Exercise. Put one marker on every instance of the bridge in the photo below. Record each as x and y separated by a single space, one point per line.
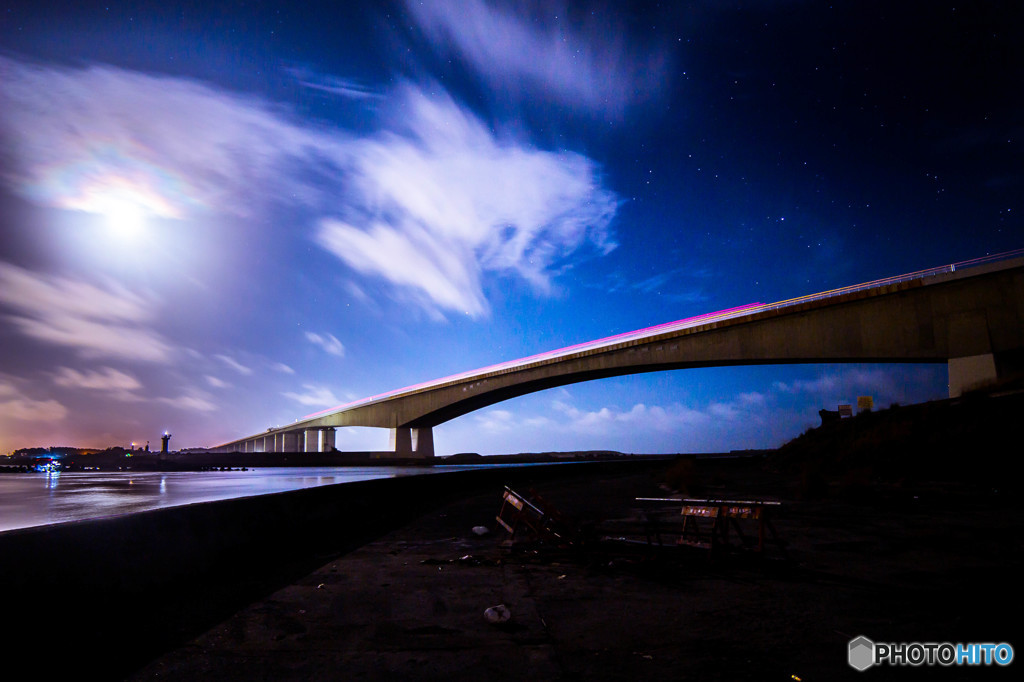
969 315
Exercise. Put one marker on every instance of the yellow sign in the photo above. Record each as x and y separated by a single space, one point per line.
865 402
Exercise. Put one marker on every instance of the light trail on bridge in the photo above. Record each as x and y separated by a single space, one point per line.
547 355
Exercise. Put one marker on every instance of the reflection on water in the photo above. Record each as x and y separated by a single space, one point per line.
52 497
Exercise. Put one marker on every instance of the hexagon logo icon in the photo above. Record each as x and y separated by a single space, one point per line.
862 653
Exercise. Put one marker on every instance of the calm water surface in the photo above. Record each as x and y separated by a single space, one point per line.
39 498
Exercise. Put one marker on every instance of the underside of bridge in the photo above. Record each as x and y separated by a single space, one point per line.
973 320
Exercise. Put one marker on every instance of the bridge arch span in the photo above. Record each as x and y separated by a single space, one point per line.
972 319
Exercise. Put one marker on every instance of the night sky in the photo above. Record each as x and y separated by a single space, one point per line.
217 220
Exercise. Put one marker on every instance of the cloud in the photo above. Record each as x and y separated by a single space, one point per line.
107 321
748 419
192 401
15 405
559 424
604 420
234 364
430 203
671 284
495 420
106 379
328 342
283 368
433 207
215 382
83 138
640 415
839 382
885 384
342 87
582 64
315 396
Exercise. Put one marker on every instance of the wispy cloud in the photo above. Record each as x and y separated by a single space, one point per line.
839 381
765 417
283 368
437 204
17 406
529 49
652 417
234 364
341 87
909 385
192 401
605 421
328 342
315 396
106 379
496 420
105 321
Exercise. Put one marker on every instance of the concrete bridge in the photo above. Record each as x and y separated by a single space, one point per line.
969 315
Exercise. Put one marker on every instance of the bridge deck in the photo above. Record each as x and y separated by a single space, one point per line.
752 312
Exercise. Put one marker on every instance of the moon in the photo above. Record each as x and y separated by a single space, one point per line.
124 218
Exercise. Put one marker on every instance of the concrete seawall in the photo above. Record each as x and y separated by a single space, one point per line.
110 594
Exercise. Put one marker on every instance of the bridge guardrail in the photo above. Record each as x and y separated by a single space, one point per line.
920 274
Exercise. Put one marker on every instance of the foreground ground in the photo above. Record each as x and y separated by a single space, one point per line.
927 562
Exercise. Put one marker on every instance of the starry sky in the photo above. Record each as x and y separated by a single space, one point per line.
221 217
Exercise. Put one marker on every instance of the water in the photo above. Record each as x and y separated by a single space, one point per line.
41 498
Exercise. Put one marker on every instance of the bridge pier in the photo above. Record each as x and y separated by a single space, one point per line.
289 441
319 439
971 372
978 371
424 442
401 441
409 442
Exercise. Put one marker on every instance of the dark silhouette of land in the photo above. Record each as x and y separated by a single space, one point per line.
900 525
121 459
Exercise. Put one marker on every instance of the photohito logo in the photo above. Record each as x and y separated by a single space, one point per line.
863 653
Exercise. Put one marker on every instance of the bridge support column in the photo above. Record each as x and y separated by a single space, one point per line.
289 441
328 440
424 442
312 440
974 371
401 441
407 442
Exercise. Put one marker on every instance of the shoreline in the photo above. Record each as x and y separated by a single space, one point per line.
174 461
890 564
172 573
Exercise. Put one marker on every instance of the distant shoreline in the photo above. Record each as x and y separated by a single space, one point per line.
206 461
